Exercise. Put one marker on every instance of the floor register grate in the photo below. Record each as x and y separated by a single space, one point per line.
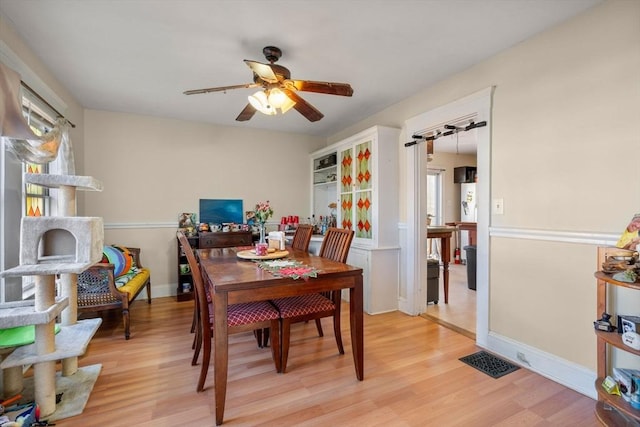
489 364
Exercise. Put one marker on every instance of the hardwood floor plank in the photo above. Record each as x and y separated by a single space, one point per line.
412 378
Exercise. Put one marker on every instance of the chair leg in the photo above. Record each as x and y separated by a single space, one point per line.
276 346
149 292
319 328
206 359
193 320
197 345
126 320
336 325
258 334
262 337
285 335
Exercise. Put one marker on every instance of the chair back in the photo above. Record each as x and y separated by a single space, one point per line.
198 284
302 237
336 244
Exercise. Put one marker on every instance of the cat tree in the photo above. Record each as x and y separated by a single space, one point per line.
37 233
51 247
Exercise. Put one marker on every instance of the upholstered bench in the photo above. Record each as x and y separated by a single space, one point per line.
114 283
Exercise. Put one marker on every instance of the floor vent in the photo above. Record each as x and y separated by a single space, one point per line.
489 364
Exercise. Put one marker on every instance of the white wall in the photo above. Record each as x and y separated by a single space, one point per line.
153 169
564 154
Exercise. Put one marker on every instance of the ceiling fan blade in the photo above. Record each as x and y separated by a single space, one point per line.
303 107
246 114
221 88
343 89
263 71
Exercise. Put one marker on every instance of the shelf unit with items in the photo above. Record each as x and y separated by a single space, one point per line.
324 179
611 409
325 169
184 292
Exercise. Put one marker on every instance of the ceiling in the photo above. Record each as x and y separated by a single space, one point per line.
138 56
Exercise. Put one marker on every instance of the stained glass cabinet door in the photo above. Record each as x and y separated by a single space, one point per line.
357 189
363 191
346 188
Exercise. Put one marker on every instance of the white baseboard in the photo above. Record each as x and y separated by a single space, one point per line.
162 290
569 374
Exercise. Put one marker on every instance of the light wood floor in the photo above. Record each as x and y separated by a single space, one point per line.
460 313
412 378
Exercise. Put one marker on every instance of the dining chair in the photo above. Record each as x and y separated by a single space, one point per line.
335 246
302 237
240 318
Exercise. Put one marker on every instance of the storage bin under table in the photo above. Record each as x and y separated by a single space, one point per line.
433 276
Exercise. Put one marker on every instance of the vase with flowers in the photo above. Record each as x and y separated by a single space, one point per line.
262 213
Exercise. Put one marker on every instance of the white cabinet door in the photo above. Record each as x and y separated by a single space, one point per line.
379 277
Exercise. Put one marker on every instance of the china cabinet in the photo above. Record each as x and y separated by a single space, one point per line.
365 191
611 410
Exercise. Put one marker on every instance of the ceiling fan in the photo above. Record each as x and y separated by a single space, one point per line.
278 90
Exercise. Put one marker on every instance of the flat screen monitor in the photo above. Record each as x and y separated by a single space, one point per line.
218 211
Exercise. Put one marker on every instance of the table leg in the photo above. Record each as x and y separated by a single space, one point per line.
357 326
220 353
446 257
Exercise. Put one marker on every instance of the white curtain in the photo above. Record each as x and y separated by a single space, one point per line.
18 136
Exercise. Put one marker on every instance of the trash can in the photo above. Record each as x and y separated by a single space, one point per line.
433 274
470 251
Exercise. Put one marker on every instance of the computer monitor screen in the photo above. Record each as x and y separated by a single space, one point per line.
218 211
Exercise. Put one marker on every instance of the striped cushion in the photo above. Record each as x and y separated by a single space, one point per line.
248 312
139 280
303 304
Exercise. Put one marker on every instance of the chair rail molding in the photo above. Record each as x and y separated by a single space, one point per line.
563 236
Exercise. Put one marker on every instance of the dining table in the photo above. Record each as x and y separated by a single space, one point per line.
233 279
443 233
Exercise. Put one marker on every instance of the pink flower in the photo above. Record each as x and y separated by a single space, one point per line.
263 211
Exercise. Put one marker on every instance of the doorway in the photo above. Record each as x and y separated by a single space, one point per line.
445 205
477 105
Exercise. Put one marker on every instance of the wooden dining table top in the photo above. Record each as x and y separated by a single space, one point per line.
229 273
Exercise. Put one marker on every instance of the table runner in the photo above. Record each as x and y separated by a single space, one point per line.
288 268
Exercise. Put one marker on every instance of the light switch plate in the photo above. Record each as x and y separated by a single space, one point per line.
498 206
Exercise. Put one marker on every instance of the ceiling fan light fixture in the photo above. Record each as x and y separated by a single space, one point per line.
260 102
277 98
287 104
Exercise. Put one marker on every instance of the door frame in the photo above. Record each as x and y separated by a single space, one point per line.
479 104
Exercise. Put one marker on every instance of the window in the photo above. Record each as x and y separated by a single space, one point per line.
434 195
35 196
